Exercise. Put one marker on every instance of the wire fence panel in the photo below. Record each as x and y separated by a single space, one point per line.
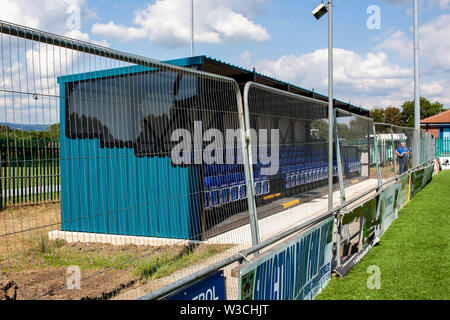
385 140
406 136
365 221
291 168
442 147
433 148
29 171
150 161
425 146
123 177
355 136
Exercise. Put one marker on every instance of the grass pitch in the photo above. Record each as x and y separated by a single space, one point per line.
413 255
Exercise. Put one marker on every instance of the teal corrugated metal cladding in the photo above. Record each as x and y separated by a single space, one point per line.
112 191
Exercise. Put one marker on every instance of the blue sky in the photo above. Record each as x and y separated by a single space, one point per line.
279 37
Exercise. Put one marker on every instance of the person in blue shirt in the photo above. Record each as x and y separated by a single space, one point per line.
403 157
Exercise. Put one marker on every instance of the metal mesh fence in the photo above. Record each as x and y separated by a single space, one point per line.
385 142
122 175
425 146
406 135
361 224
355 137
389 138
442 147
359 173
150 189
293 162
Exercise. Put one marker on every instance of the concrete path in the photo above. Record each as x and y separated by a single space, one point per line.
289 218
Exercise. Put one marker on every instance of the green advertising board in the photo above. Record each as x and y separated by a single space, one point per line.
366 211
428 175
420 178
416 181
404 192
387 208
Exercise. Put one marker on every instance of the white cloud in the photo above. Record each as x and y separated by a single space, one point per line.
118 31
167 23
432 89
400 43
350 69
246 58
363 80
48 15
443 4
78 35
434 43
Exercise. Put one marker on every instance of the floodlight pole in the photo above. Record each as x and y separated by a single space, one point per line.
330 105
416 148
192 28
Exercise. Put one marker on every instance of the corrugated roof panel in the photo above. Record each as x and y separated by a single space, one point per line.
198 60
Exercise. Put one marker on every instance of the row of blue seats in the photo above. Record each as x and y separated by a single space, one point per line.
304 161
303 176
231 179
225 169
301 154
220 176
220 196
221 169
353 165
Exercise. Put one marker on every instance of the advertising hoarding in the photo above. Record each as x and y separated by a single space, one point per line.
297 270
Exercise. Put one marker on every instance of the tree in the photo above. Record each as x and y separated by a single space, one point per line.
427 109
53 132
393 115
377 114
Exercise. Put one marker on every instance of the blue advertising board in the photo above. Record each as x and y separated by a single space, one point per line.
297 270
210 288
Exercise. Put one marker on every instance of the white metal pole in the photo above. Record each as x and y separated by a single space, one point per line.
416 154
192 28
330 105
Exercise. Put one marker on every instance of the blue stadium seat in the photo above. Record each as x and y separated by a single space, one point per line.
303 177
258 188
206 200
215 198
266 187
234 191
225 195
287 182
242 191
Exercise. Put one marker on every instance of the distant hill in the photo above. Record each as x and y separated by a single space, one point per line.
26 127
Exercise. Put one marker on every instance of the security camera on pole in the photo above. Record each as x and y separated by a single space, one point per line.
318 13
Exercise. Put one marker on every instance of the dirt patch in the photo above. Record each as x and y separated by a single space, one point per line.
51 284
33 267
106 270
